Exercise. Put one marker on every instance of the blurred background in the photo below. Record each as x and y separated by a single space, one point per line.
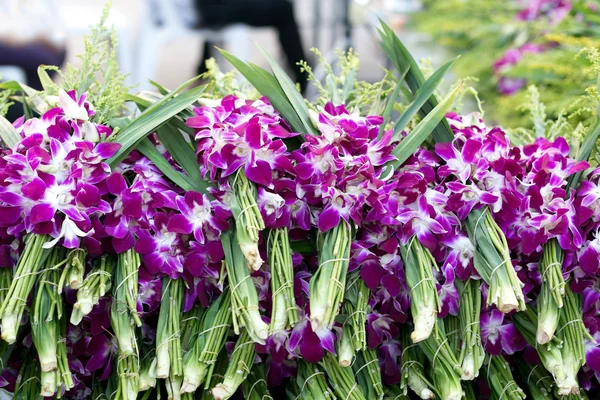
514 54
166 40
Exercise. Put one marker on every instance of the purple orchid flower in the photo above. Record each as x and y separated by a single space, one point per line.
499 335
308 344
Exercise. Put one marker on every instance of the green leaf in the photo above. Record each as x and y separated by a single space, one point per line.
151 119
293 95
588 145
45 79
389 107
161 89
417 136
151 152
348 84
183 152
267 85
402 59
8 134
421 97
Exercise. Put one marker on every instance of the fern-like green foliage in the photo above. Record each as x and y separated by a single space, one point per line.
483 30
5 102
221 84
340 85
99 75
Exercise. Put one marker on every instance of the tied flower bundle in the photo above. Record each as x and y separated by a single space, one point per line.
269 247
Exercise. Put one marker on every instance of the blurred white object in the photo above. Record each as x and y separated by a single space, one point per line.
77 20
403 6
12 73
167 20
25 21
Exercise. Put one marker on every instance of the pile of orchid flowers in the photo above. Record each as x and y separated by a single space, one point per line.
312 267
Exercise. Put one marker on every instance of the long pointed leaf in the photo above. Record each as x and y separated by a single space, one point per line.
589 143
150 151
9 135
417 136
289 88
421 97
151 119
401 58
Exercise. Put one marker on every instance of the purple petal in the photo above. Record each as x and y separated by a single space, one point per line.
41 213
329 219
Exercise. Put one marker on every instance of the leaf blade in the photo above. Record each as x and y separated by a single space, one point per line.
417 136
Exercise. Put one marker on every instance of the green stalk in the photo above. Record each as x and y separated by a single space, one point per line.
28 382
500 379
247 217
26 273
244 299
345 350
492 261
342 379
367 372
240 363
255 386
147 373
128 377
208 340
355 308
468 392
550 354
538 380
173 385
551 296
72 274
311 383
445 368
328 283
6 277
47 307
419 265
471 352
169 357
284 313
95 285
573 334
413 368
123 313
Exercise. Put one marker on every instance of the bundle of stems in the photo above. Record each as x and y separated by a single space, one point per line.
342 379
552 292
74 269
247 218
123 314
445 369
500 379
355 309
367 372
240 364
207 339
96 284
493 263
328 284
244 298
28 386
169 355
255 385
312 383
419 265
550 354
537 378
284 312
48 328
573 334
26 274
128 372
413 368
471 351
